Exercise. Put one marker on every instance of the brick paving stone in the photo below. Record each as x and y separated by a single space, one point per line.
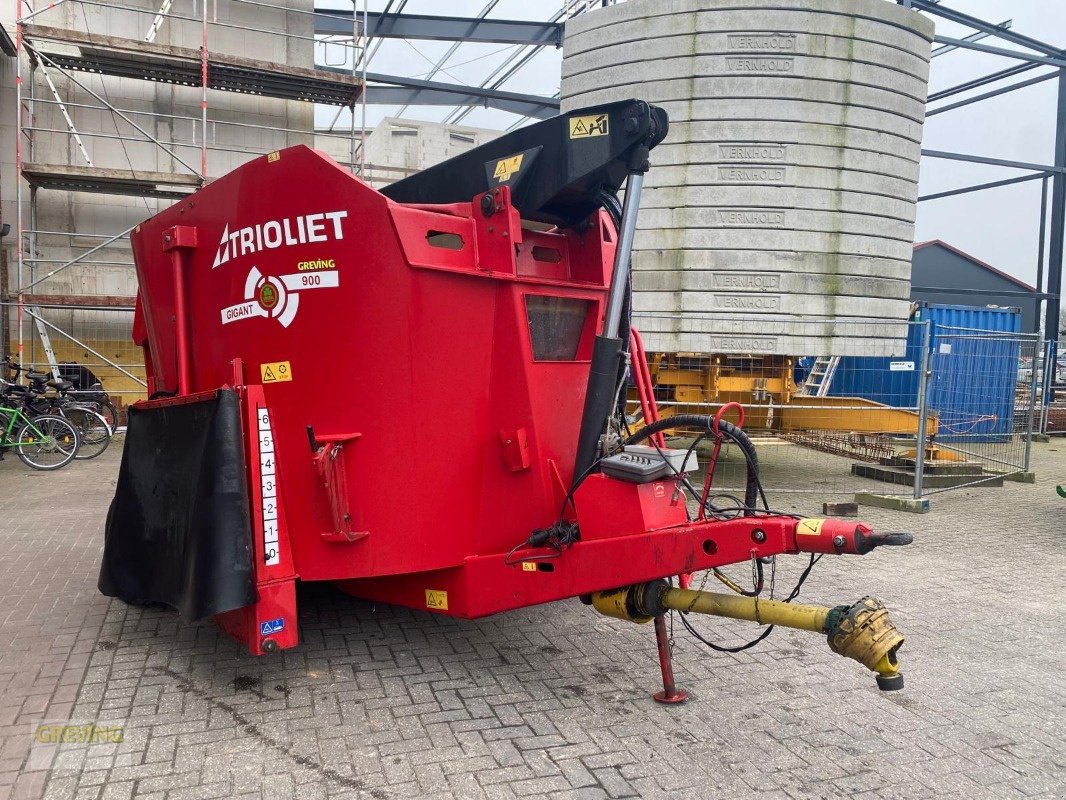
381 702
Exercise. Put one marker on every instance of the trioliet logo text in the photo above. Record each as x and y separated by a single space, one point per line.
275 233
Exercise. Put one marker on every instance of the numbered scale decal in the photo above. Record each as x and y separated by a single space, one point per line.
269 484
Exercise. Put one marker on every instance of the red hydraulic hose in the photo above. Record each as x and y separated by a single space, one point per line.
645 390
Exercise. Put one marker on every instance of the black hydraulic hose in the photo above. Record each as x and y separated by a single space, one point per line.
751 458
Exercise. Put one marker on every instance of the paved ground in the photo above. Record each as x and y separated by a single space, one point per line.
550 702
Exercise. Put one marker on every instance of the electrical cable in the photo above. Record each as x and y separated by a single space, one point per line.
753 489
769 629
748 507
558 536
726 512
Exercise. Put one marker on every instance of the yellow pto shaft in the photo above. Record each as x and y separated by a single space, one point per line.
768 612
861 631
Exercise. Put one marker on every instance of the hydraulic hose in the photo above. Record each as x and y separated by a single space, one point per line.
751 458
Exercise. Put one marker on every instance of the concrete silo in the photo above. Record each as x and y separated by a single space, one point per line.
778 217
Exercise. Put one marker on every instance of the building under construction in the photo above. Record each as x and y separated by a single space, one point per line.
124 107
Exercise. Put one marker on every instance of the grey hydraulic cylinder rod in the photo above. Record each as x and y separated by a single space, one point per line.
607 350
620 276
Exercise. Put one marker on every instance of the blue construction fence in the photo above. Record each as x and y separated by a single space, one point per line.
976 363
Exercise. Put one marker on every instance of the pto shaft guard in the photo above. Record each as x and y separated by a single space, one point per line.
861 631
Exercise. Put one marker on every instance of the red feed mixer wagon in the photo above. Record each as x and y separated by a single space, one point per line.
418 393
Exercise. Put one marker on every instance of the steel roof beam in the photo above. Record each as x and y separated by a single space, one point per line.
329 22
973 37
1055 61
984 26
525 105
995 162
438 65
418 92
976 83
982 186
994 93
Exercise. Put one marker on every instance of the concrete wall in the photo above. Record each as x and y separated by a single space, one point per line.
398 147
170 113
778 215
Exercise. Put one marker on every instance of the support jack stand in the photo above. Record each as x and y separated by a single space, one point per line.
670 695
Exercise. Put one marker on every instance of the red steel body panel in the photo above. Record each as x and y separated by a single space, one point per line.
400 335
424 351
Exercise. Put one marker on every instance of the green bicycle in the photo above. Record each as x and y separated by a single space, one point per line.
45 442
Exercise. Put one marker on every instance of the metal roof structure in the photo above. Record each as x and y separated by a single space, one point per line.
385 25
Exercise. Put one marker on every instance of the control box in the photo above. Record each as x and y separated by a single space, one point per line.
644 464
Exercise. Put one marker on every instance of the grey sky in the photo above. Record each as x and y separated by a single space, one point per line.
998 226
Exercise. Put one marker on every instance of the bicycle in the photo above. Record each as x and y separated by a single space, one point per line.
44 443
93 429
92 397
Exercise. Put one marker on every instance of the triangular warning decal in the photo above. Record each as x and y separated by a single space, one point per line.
268 375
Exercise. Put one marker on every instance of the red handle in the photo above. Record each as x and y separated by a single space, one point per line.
723 409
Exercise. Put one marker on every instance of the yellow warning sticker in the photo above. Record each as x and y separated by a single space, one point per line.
584 127
506 167
810 527
437 599
272 157
529 566
276 371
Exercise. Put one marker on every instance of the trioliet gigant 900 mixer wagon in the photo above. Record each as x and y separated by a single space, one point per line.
417 393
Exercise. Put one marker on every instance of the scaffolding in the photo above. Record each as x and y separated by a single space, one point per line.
81 85
95 130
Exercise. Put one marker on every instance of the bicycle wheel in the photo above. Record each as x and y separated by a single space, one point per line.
92 428
46 443
110 414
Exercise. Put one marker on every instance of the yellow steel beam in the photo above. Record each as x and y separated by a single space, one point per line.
711 382
849 414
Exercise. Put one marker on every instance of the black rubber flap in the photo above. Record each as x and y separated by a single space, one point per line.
179 530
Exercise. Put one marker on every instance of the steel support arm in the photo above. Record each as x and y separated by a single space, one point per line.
993 93
981 186
994 162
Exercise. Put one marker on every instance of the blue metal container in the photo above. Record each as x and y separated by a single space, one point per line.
974 361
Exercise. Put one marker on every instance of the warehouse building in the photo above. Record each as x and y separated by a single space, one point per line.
946 275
